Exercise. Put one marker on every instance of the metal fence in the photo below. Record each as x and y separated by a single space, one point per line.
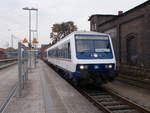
23 61
27 60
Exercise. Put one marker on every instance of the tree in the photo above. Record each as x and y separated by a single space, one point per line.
59 31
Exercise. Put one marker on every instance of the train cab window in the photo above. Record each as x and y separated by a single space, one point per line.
84 45
102 46
92 44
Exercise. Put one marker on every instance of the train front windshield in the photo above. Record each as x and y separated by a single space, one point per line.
85 45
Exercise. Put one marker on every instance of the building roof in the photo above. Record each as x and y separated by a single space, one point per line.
123 14
100 15
135 8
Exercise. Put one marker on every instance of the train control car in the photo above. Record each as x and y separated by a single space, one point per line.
86 57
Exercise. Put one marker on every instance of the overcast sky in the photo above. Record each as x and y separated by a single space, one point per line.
14 20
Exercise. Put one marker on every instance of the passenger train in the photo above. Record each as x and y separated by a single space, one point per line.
86 57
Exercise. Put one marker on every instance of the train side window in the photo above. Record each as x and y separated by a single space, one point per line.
66 50
69 52
63 50
49 53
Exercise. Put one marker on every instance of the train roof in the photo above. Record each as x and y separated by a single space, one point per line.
76 33
87 32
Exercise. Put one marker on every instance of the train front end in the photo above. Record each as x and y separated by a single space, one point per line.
95 59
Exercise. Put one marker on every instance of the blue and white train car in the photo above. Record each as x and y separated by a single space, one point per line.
87 57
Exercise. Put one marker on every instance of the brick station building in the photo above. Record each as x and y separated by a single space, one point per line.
130 32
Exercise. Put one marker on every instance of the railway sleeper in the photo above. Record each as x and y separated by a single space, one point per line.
102 96
98 94
111 103
119 107
105 100
126 111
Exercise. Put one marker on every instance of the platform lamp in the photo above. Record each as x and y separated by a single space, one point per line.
30 45
25 41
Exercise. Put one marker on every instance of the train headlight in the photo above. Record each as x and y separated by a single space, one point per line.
95 55
110 66
82 67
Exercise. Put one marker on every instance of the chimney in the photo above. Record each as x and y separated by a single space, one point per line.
120 12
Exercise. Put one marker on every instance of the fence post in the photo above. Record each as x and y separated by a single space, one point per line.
27 69
35 58
26 65
19 69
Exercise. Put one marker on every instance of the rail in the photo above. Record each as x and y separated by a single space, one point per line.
110 102
7 62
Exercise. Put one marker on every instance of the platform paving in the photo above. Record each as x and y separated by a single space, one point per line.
47 92
64 98
31 100
8 79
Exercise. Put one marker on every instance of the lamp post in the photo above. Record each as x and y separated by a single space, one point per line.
30 43
30 9
35 42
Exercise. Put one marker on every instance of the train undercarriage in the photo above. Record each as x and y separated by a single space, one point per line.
85 78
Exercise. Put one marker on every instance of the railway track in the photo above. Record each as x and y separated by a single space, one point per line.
7 62
110 102
134 82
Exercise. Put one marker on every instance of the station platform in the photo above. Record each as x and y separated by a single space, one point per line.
8 79
47 92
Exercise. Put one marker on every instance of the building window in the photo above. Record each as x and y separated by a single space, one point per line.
132 56
92 27
95 27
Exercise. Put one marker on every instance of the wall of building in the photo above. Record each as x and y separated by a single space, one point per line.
132 29
146 41
96 20
130 34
